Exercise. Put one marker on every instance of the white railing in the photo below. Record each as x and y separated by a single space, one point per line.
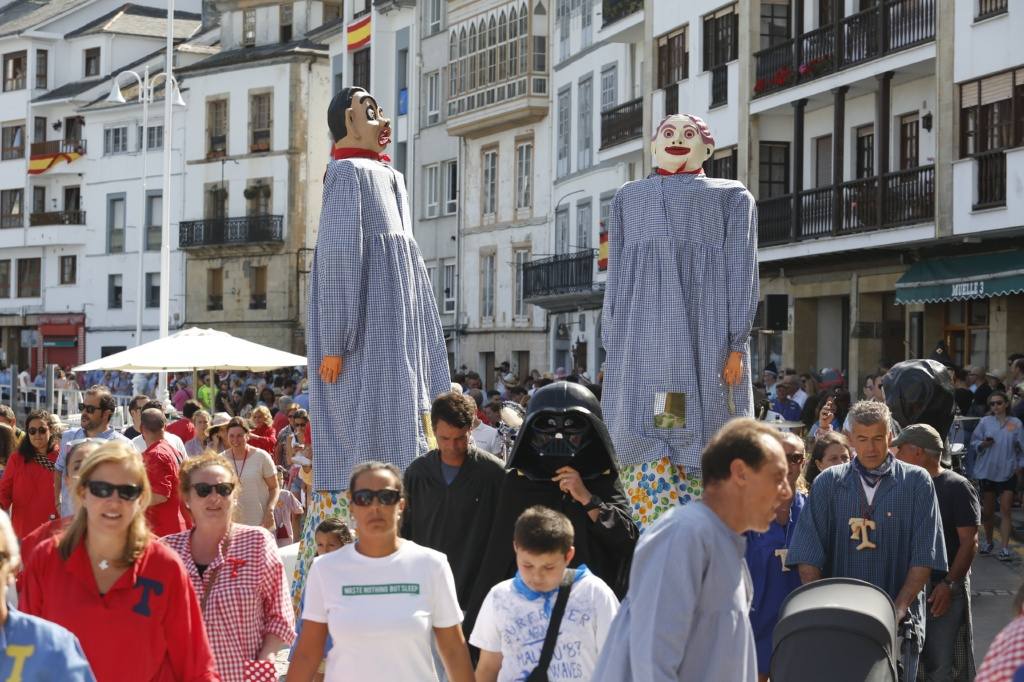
65 403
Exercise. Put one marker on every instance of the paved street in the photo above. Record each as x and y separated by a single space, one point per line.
993 584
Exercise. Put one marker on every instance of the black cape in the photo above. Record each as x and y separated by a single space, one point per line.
455 519
605 546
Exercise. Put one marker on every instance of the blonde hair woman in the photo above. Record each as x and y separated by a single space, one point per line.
236 572
107 569
263 435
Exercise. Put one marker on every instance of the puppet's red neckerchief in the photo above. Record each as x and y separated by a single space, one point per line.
338 153
660 171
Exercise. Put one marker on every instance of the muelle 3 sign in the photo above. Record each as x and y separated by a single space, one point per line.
967 289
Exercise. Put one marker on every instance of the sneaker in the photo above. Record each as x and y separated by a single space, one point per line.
986 548
1005 555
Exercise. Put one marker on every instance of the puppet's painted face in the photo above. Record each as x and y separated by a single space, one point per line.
365 125
682 142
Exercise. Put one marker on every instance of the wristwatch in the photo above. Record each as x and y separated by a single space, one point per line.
595 503
949 583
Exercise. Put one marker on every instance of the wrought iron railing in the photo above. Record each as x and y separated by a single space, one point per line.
613 10
991 179
774 68
990 8
58 147
622 123
816 212
558 275
214 231
42 218
909 196
860 205
859 33
774 220
258 302
8 220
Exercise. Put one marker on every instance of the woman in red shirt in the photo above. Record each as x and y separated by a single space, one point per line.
26 488
263 435
107 580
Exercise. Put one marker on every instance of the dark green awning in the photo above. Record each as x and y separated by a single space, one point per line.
962 277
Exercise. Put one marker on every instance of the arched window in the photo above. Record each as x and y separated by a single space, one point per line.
523 21
524 32
502 46
482 48
472 57
462 60
453 69
513 58
492 51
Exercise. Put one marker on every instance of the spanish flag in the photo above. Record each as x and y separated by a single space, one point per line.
359 33
602 250
40 163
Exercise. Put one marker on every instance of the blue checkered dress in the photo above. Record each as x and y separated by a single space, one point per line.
370 302
681 295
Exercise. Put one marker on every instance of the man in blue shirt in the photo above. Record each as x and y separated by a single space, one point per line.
784 403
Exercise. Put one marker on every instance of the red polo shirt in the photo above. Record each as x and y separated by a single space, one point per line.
183 429
147 628
161 462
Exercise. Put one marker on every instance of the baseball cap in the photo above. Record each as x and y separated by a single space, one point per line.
921 435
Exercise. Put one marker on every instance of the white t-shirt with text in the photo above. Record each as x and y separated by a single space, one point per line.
380 611
515 626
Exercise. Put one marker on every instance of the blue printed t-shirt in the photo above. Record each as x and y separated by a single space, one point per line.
35 649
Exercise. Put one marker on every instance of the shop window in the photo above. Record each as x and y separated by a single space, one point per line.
967 333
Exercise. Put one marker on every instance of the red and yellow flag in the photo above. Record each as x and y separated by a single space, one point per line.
359 33
40 163
602 250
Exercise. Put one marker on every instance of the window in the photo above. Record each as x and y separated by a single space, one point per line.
524 175
988 106
540 47
432 180
487 285
721 44
585 124
115 140
433 89
5 278
258 287
722 164
152 289
285 21
216 128
28 277
361 68
115 292
966 332
215 289
215 201
15 71
673 59
562 21
39 129
433 16
865 152
259 121
39 199
68 269
609 86
562 231
449 288
154 137
909 139
42 66
258 200
521 257
774 22
587 23
360 7
823 161
584 224
564 118
332 10
13 145
115 223
92 62
248 28
773 170
154 220
11 207
490 182
450 171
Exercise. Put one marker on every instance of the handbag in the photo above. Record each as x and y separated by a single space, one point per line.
260 671
213 576
540 673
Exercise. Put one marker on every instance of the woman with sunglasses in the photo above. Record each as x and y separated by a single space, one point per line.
109 581
382 599
26 488
257 476
999 441
235 570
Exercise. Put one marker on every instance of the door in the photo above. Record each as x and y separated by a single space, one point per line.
823 161
72 199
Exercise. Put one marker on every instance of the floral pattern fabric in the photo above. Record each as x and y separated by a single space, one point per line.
653 488
322 505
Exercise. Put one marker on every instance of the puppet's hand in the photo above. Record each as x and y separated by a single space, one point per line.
330 368
733 369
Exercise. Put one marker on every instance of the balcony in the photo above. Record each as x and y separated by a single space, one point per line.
47 218
990 8
261 229
563 283
52 147
884 29
907 197
260 141
10 220
614 10
492 108
622 123
217 146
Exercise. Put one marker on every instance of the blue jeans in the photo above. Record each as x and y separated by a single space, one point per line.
941 634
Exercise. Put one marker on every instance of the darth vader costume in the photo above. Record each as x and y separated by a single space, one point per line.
563 427
920 392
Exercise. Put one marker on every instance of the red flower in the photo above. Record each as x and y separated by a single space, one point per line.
759 85
782 76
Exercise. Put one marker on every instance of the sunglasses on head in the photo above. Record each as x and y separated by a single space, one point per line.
103 489
204 489
795 458
37 430
387 497
89 409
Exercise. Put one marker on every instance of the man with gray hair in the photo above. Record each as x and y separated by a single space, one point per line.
948 649
875 519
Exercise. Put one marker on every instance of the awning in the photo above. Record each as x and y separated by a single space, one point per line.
963 277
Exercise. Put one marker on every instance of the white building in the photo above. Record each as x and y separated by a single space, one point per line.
58 57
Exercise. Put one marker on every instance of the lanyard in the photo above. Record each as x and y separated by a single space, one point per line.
234 461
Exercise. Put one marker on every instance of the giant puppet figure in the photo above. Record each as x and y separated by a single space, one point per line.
679 303
375 346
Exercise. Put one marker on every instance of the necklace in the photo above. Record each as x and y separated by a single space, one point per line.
783 551
103 564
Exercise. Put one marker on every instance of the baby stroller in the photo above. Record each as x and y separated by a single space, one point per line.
837 629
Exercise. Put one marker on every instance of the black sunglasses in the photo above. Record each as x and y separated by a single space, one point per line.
387 497
996 402
204 489
36 430
302 424
103 489
82 407
796 457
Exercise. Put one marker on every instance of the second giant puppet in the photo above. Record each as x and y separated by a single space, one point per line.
375 346
679 303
